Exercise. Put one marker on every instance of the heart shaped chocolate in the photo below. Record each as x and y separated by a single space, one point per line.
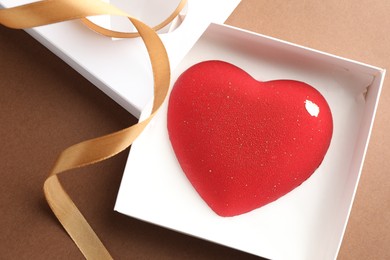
244 143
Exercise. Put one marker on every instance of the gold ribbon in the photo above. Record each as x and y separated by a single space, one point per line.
101 148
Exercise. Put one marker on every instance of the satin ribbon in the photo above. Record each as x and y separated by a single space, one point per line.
101 148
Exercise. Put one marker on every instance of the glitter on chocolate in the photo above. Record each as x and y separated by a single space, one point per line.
244 143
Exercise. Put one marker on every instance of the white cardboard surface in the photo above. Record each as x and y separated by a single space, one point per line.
307 223
121 68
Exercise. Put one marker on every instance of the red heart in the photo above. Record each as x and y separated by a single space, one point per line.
243 143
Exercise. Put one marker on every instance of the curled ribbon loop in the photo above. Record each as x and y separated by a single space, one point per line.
101 148
116 34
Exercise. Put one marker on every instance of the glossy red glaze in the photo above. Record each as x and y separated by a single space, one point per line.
243 143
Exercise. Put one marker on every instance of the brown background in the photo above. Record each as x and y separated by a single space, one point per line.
45 106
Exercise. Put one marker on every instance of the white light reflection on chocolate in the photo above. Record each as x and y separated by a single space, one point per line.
312 108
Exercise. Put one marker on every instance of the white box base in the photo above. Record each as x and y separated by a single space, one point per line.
307 223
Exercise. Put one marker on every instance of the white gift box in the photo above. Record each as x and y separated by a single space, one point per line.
121 68
307 223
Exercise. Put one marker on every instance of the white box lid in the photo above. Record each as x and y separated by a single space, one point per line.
121 68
